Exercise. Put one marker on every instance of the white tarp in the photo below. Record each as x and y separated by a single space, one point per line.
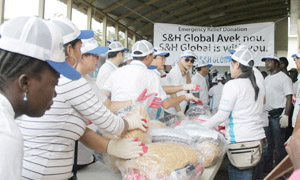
213 43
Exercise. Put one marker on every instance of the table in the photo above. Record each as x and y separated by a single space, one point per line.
100 171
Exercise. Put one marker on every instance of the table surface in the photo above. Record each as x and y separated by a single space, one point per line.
100 171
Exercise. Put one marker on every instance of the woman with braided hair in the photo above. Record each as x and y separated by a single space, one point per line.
29 72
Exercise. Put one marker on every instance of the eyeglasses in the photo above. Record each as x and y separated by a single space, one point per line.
190 60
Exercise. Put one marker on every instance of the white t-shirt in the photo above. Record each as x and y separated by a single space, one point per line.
175 78
11 141
49 140
278 86
128 82
216 93
203 90
156 113
245 122
104 72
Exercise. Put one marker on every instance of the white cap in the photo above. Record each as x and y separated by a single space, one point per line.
240 47
69 31
160 52
243 56
91 46
115 46
142 48
188 53
214 71
37 38
296 55
202 63
270 57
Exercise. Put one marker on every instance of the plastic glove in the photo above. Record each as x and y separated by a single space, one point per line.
143 97
284 121
126 148
180 114
190 87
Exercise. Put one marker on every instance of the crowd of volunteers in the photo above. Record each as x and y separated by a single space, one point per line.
51 107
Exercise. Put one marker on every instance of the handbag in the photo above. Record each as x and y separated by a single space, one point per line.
245 155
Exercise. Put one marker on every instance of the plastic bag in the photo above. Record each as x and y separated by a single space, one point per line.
164 161
170 120
170 135
197 110
209 143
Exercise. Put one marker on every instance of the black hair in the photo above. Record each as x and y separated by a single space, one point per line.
139 58
73 43
284 61
247 72
113 54
13 65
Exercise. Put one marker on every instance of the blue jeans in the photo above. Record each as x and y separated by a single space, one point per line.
276 138
237 174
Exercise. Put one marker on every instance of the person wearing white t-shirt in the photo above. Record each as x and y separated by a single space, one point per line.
179 76
28 81
128 82
116 55
49 140
296 120
215 93
158 65
278 104
202 68
240 108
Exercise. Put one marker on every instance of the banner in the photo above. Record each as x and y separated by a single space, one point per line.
213 43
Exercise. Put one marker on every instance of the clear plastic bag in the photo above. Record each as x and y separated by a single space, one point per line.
209 143
170 120
164 161
197 110
170 135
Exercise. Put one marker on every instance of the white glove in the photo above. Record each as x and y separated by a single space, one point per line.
128 148
190 87
190 97
180 114
284 121
136 121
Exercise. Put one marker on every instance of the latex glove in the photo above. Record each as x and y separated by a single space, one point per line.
143 97
136 121
190 87
180 114
190 97
284 121
128 148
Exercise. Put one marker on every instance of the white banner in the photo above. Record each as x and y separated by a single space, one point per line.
213 43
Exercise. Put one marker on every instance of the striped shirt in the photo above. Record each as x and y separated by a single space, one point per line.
49 140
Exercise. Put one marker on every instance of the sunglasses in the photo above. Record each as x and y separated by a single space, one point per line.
190 60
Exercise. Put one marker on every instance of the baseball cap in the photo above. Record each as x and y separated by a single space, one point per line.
34 37
160 52
214 71
70 31
115 46
188 53
240 47
142 48
220 77
270 57
243 56
296 55
202 63
91 46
